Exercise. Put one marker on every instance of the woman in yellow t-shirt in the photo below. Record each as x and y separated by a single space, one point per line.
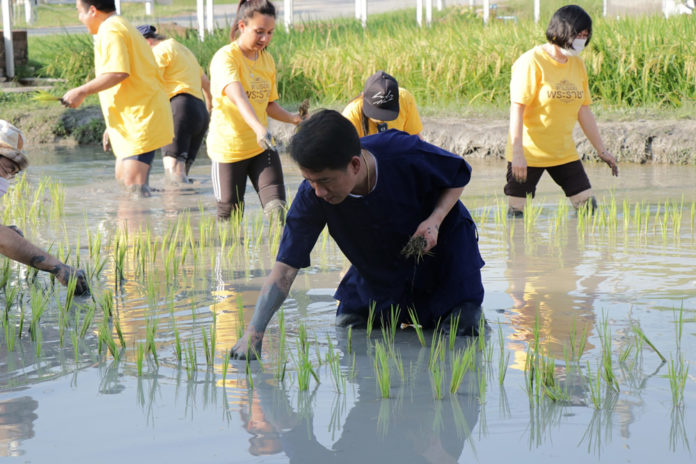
549 94
243 86
383 105
186 86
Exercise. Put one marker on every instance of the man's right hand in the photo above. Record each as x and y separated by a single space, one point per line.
519 166
73 98
249 346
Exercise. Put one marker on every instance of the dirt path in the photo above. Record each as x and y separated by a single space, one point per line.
640 141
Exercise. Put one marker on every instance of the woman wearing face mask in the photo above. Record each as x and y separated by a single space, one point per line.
549 93
243 86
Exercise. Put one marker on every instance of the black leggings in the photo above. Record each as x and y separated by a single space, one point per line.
190 123
229 181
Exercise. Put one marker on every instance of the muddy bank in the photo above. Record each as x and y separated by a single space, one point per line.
639 141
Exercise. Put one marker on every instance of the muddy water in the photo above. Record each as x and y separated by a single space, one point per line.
567 287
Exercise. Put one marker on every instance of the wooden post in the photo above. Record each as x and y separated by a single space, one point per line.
200 15
7 36
209 16
288 8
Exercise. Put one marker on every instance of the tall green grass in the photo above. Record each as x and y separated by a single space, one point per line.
641 61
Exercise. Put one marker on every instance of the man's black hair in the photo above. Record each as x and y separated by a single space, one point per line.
105 6
327 140
566 23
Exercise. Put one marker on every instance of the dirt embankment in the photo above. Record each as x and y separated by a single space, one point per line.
640 141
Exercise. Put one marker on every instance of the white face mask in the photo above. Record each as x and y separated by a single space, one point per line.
4 186
577 46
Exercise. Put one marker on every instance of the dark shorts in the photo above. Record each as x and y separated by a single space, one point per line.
230 179
190 124
571 177
146 158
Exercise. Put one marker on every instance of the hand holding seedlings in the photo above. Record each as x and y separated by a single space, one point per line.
303 109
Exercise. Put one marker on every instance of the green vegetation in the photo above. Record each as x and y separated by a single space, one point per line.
633 62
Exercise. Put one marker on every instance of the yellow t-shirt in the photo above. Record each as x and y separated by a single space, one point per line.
230 139
179 67
552 93
136 110
407 121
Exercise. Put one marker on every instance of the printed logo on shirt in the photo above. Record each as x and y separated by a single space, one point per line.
260 89
565 92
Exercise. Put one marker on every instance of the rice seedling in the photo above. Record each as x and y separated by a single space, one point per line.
39 303
645 339
462 362
190 359
304 367
370 318
436 349
399 365
177 345
416 326
503 357
225 366
382 373
151 332
75 344
577 344
415 248
139 357
104 335
454 326
594 384
333 360
249 376
10 333
677 372
437 377
606 355
87 321
679 325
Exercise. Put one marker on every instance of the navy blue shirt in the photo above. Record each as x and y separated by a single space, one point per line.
371 230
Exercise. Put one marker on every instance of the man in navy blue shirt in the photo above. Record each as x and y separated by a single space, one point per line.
374 194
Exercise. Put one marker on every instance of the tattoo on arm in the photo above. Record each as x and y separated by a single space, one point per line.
36 260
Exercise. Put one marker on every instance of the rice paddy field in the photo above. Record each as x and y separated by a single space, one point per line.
589 356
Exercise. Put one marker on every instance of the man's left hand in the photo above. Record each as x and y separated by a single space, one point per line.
428 229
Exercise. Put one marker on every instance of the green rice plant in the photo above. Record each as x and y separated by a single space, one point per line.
679 325
139 357
436 349
209 358
594 384
577 344
454 326
281 359
117 327
75 344
482 384
399 364
437 378
333 360
177 344
606 355
11 293
190 359
104 335
10 334
677 372
645 339
462 362
225 365
151 332
304 367
87 320
370 317
382 373
39 303
249 376
416 325
503 357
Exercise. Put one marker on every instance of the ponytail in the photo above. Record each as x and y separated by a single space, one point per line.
246 10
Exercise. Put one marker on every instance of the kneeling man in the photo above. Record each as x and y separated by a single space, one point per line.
374 194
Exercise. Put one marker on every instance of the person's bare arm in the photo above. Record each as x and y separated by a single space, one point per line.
235 92
279 113
430 228
205 86
17 248
74 97
519 162
274 291
589 127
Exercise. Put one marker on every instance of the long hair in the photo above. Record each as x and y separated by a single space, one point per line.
246 10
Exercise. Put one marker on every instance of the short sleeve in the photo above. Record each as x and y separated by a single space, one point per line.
412 124
303 224
586 87
112 53
225 68
524 82
353 113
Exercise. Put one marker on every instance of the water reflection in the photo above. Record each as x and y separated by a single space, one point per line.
17 418
410 426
